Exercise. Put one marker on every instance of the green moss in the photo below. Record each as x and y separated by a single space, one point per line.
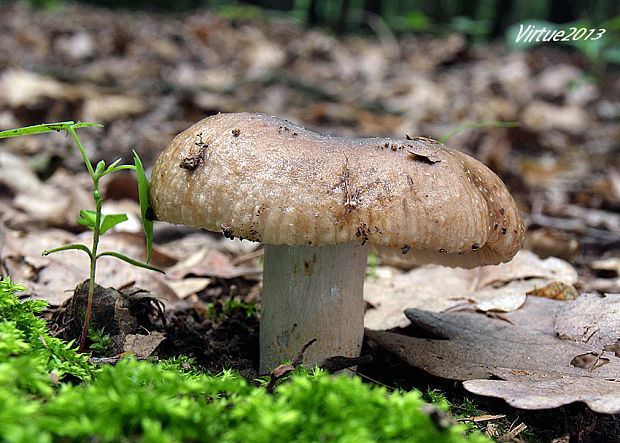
141 400
27 347
174 401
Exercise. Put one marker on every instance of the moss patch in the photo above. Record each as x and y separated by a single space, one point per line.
48 392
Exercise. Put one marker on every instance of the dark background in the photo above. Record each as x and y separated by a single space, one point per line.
486 18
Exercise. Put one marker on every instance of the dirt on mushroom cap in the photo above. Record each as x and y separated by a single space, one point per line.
268 180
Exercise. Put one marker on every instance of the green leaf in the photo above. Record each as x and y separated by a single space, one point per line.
86 125
36 129
477 125
68 247
43 128
145 206
130 261
117 168
100 167
116 162
87 218
417 21
110 220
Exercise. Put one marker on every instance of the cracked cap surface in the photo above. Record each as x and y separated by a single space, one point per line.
260 178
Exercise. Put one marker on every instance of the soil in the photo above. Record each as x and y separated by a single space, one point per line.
214 340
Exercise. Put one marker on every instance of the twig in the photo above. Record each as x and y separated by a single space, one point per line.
481 418
513 433
282 371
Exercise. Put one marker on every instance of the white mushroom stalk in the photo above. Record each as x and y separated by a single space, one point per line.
312 292
316 202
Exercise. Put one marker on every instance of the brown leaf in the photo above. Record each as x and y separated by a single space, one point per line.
615 348
536 314
143 345
600 395
500 288
105 108
556 290
589 360
210 263
591 319
188 286
51 277
541 116
526 264
476 347
547 242
280 372
19 87
53 203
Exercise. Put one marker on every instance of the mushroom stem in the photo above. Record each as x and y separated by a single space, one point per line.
312 292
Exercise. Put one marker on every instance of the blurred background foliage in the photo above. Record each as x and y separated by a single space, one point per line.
487 18
479 20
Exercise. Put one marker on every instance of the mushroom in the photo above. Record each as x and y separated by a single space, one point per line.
317 202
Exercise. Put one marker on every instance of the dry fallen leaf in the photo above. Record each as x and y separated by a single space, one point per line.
615 348
473 346
188 286
526 264
142 346
547 242
608 267
499 288
591 318
210 263
600 395
105 108
541 116
556 290
34 204
537 313
19 87
54 277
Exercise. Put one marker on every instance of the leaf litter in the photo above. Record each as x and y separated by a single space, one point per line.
562 169
532 368
499 288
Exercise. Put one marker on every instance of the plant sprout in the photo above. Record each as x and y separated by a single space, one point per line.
95 220
471 125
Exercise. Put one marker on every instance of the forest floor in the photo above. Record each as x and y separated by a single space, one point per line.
147 77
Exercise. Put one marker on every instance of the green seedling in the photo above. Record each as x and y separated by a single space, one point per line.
239 308
101 342
232 308
95 220
461 128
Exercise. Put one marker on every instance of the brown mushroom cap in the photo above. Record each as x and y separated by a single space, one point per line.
260 178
